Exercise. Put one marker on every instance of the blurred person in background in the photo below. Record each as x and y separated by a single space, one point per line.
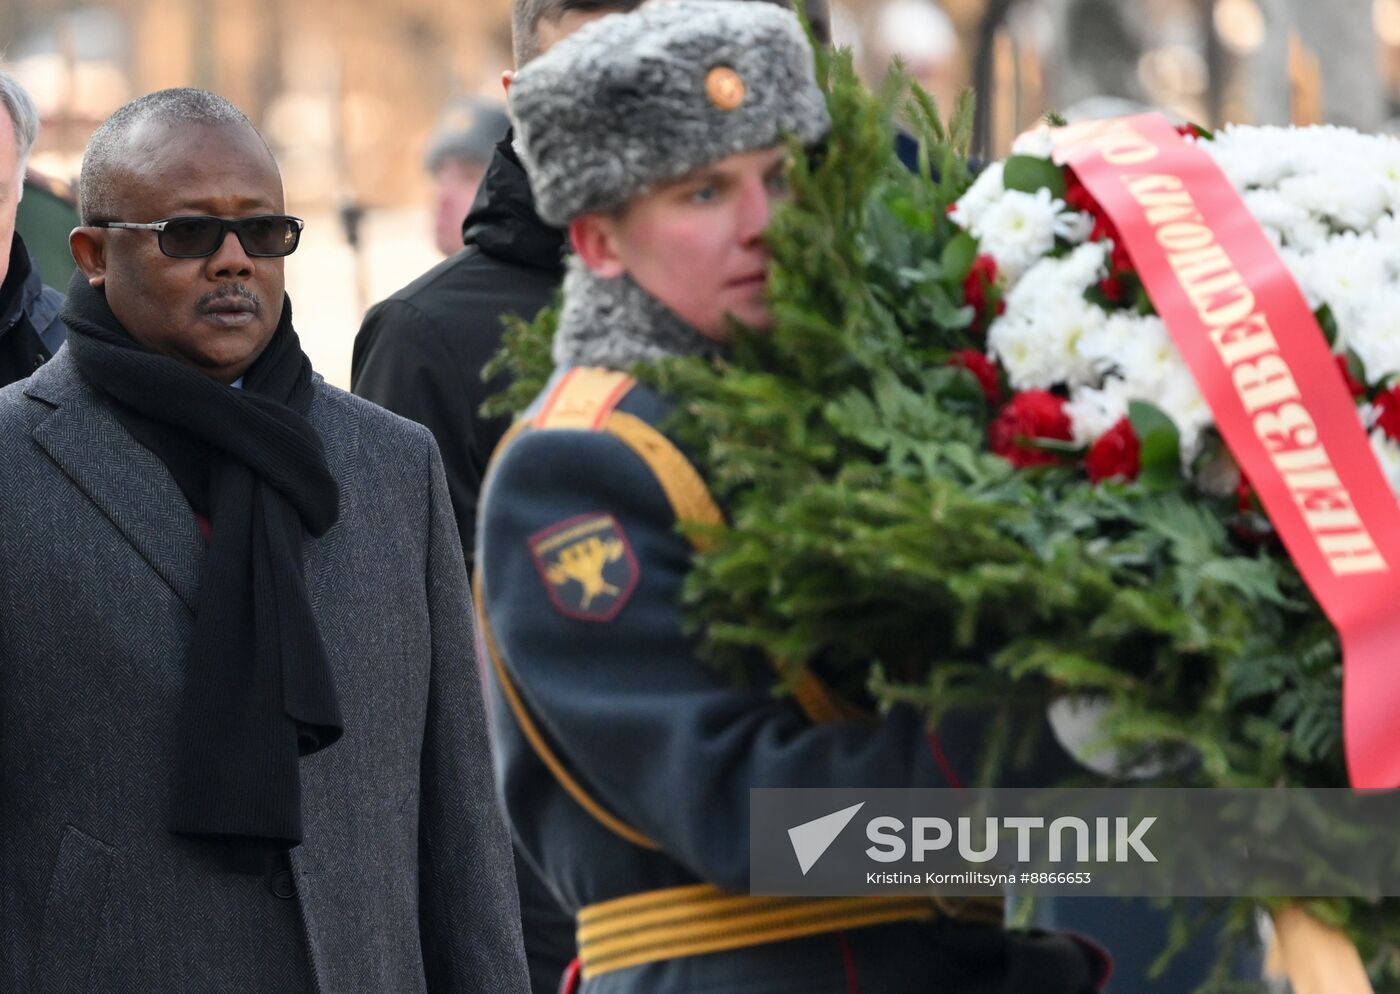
458 155
30 328
48 212
421 352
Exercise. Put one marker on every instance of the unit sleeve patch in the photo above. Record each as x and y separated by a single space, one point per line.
587 566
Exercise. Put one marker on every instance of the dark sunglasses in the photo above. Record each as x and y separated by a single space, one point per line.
195 236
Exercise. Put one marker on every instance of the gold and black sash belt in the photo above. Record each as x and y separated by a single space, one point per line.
700 918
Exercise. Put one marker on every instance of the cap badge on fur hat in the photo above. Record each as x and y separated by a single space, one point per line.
725 88
630 102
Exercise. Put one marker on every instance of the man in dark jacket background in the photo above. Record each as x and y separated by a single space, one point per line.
421 352
30 329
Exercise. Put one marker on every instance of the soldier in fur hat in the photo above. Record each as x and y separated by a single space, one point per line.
626 762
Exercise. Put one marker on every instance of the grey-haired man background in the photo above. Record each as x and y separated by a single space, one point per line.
30 328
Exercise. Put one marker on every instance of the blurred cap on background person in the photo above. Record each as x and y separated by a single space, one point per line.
457 156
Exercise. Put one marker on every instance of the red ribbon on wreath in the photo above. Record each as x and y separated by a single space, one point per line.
1263 365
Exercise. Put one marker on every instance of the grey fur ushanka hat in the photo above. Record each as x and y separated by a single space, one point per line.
631 101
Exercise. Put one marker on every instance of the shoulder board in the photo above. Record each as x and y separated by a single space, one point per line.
583 398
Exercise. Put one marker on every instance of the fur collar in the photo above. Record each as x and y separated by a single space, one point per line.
616 324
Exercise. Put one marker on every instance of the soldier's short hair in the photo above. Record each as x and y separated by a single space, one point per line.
526 16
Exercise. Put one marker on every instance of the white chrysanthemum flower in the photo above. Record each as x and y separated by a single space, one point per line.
1149 358
1084 267
1353 199
1093 411
1254 157
1388 455
1309 235
1346 274
1388 171
1375 337
1038 340
1181 400
1075 227
1040 348
1121 334
1020 228
1289 224
986 190
1146 365
1297 263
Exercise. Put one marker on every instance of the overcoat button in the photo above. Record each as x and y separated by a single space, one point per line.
283 885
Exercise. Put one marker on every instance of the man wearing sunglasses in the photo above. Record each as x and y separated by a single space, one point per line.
241 736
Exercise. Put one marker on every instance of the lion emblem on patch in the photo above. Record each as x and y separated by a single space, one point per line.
587 565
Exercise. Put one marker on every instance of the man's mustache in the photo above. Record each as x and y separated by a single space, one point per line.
237 290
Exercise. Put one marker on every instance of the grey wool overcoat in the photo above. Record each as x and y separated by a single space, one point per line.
403 882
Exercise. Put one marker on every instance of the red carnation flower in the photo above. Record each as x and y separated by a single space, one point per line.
977 286
1355 386
981 367
1029 415
1251 525
1103 228
1116 454
1078 197
1112 288
1388 404
1245 498
1119 260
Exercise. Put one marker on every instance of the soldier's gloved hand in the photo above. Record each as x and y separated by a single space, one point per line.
1077 723
1040 962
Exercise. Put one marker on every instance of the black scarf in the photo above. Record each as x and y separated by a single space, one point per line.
258 691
